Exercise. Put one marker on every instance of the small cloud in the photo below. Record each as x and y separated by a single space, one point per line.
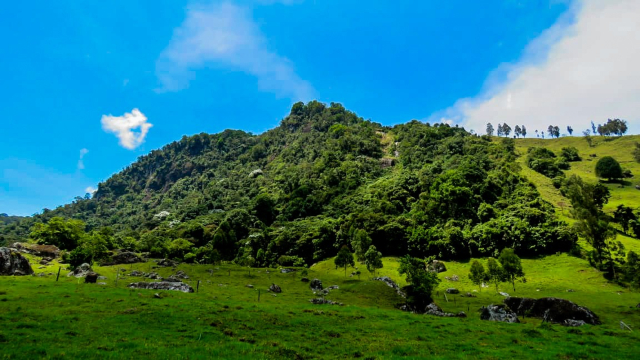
446 121
83 152
90 190
125 126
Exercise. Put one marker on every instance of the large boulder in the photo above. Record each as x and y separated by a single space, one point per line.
49 251
435 310
12 263
91 278
499 313
437 266
81 271
162 285
551 309
316 285
167 262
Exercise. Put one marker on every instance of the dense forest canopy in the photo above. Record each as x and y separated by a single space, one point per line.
322 179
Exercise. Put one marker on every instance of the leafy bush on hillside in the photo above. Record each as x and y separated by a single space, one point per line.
570 154
544 161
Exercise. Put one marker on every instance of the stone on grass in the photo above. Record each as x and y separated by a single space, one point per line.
387 280
304 279
499 313
91 278
452 291
12 263
123 257
162 285
555 310
573 323
316 284
249 286
287 271
81 271
275 288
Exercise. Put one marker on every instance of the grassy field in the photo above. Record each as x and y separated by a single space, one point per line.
42 318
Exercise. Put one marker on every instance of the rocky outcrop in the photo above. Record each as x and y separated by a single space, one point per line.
49 251
12 263
437 266
435 310
499 313
551 309
81 271
162 285
316 285
179 276
392 284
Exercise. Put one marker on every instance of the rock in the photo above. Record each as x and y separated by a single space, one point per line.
123 257
387 162
638 306
555 310
249 286
392 284
178 276
452 278
435 310
320 301
332 287
504 294
573 323
42 267
153 276
570 290
304 279
499 313
12 263
316 285
102 283
468 295
102 278
162 285
91 278
157 296
48 251
452 291
287 271
461 314
41 274
44 262
167 262
137 273
275 288
255 173
437 266
81 271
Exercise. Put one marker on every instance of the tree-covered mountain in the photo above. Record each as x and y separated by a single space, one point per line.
322 179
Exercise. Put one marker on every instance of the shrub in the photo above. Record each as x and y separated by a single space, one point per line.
79 256
544 161
557 182
626 173
609 168
570 154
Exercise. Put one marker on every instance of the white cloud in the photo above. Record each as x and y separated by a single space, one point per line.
90 190
224 35
83 152
583 68
125 126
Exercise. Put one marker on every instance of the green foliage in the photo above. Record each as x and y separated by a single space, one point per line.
613 127
570 153
624 215
421 282
373 259
607 167
477 274
495 274
544 161
79 256
65 234
360 243
511 266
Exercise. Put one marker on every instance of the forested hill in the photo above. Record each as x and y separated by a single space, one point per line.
322 179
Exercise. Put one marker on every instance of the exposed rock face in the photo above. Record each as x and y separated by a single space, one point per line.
392 284
81 271
162 285
555 310
49 251
123 257
435 310
91 278
275 288
498 313
316 285
12 263
437 266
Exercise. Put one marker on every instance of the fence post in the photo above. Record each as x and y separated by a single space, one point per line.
57 277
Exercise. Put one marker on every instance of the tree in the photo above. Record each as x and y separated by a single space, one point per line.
523 131
494 272
623 216
570 130
500 130
556 131
587 137
489 129
636 152
632 269
477 274
551 130
511 266
537 135
593 128
517 131
421 282
65 234
506 129
360 242
344 258
373 259
607 167
587 201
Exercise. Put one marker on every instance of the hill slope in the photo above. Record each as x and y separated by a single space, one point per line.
322 179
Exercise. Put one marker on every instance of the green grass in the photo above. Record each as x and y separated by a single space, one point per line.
40 318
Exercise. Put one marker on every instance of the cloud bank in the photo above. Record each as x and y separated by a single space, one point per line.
583 69
224 35
131 128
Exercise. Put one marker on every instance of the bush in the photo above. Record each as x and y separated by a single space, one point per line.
626 173
543 161
562 164
570 154
557 182
609 168
79 256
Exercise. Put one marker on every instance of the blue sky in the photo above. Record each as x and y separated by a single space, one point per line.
90 86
